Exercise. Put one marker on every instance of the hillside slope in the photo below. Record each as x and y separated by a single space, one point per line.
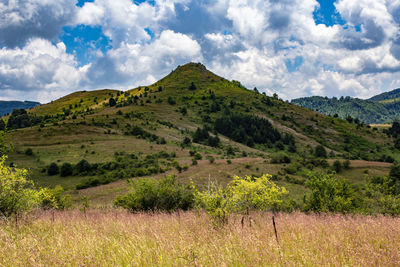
193 124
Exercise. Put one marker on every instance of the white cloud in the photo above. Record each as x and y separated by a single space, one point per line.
40 70
21 20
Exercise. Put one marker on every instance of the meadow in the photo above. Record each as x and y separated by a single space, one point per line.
115 237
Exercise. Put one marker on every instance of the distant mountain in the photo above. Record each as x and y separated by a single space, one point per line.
390 96
8 106
382 108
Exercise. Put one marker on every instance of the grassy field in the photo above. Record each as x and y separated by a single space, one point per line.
116 238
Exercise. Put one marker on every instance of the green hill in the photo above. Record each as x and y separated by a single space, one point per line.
7 107
382 108
193 124
365 110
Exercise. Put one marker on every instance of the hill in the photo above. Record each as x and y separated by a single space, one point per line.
193 124
379 109
387 96
365 110
7 107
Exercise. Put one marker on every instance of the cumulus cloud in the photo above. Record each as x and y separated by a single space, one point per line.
39 70
276 46
137 64
21 20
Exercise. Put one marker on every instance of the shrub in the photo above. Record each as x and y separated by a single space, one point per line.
241 195
17 193
329 194
66 169
83 166
320 152
29 152
54 198
198 156
53 169
337 166
149 194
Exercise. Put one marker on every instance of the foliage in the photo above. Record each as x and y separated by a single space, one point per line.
320 152
66 169
19 118
54 198
241 195
17 193
53 169
149 194
2 125
247 129
329 194
4 148
367 111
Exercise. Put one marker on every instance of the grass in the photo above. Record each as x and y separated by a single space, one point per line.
112 237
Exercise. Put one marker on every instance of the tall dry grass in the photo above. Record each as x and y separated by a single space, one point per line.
116 238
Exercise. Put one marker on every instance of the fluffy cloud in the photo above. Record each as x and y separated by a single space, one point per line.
137 64
276 46
38 71
21 20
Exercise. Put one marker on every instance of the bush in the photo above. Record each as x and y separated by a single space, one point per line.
329 194
337 166
241 195
29 152
149 194
17 193
66 169
320 152
83 167
53 169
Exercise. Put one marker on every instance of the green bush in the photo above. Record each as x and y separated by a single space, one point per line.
320 152
53 169
240 196
329 194
149 194
66 169
29 152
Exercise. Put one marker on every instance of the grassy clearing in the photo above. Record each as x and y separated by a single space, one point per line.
109 238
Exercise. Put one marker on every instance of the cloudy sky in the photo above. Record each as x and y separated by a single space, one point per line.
295 48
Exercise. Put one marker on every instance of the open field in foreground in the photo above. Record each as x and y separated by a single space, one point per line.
116 238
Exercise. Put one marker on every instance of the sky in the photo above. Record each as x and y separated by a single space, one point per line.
294 48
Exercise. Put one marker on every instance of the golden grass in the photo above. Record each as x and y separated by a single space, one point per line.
116 238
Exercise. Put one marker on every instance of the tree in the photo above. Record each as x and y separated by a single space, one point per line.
149 194
329 194
192 86
320 152
337 166
66 169
240 196
83 166
2 125
112 102
17 193
53 169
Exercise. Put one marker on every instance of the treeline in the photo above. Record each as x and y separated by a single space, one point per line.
247 129
124 166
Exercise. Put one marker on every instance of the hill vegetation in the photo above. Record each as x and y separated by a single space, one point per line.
220 160
7 107
383 108
200 127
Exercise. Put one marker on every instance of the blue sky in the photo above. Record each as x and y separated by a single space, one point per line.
291 47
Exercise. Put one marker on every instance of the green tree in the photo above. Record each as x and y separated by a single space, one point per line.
149 194
2 125
66 169
17 193
112 102
240 196
53 169
329 194
320 151
337 166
